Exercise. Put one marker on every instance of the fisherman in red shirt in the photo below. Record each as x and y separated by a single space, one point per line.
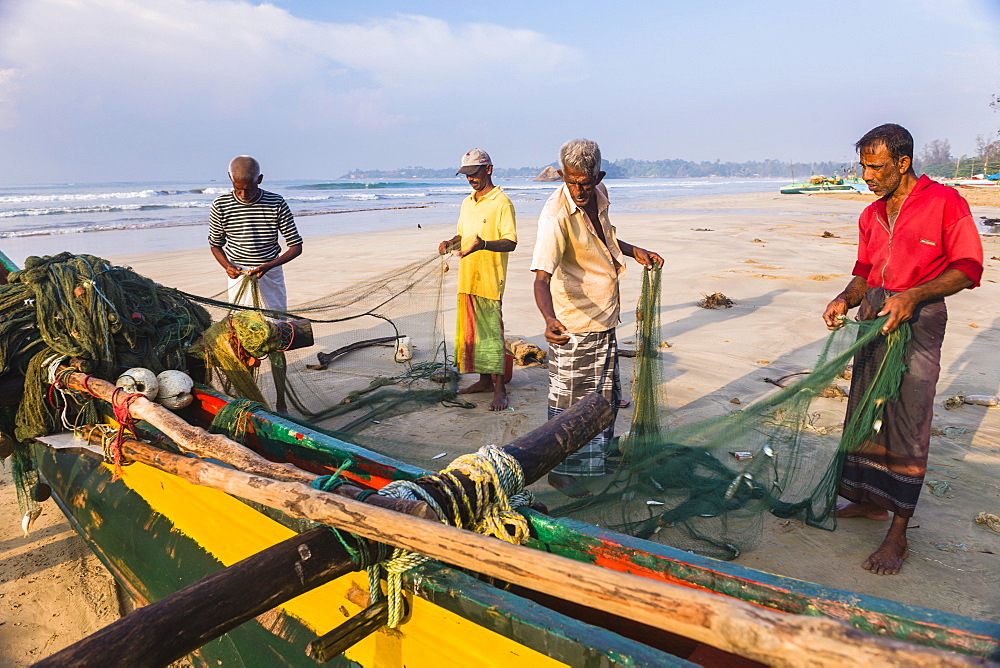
918 244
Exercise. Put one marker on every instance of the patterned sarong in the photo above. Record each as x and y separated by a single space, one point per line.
587 363
479 346
889 470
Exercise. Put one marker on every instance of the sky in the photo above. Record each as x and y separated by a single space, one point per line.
142 90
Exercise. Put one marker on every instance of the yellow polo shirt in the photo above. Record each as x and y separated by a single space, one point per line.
585 272
484 273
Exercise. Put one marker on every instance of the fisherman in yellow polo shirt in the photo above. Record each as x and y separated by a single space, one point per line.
486 233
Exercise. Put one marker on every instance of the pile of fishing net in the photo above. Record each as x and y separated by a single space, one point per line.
707 487
108 318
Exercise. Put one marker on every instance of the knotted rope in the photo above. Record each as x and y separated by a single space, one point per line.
120 403
499 488
498 483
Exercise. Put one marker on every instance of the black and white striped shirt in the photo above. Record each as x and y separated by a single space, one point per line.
249 232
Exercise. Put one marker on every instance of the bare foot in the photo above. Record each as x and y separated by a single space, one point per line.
569 485
484 384
888 558
867 510
499 402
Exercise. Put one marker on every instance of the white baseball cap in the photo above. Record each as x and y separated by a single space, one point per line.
473 160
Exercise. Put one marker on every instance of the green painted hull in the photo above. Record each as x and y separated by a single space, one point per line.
804 188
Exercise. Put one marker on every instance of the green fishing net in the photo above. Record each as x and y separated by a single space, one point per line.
82 306
708 486
379 350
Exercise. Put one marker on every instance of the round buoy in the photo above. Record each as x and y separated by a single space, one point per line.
139 380
175 389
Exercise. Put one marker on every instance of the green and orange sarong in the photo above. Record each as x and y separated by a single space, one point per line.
479 346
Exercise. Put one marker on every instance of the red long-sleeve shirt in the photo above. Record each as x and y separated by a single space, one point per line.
934 231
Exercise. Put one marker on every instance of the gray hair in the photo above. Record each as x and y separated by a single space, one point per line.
245 167
582 155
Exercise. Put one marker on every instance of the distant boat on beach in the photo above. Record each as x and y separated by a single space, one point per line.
819 184
978 181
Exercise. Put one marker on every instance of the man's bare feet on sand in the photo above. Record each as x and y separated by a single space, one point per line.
866 510
569 485
499 402
490 383
888 558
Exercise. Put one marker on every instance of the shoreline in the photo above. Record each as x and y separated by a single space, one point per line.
183 235
781 271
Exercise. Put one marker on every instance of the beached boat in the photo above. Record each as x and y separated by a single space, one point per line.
157 533
820 184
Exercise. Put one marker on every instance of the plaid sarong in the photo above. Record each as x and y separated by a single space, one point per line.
479 346
889 470
587 363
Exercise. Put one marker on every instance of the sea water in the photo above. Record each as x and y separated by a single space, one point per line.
108 219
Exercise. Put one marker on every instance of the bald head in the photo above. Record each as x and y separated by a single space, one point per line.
245 174
244 167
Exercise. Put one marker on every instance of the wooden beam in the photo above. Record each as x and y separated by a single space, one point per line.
285 496
537 451
162 632
190 438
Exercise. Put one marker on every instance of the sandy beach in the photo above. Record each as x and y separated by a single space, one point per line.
779 258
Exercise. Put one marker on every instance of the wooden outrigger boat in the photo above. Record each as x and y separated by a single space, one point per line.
197 557
157 533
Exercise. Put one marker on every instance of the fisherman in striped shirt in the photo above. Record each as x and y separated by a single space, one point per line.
243 235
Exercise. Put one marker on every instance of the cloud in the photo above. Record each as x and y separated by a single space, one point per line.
157 57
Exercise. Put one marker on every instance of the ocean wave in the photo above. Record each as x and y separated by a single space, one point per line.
349 196
81 197
359 186
100 208
118 195
124 224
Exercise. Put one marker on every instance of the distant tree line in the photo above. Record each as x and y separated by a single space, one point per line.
629 168
633 169
935 159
